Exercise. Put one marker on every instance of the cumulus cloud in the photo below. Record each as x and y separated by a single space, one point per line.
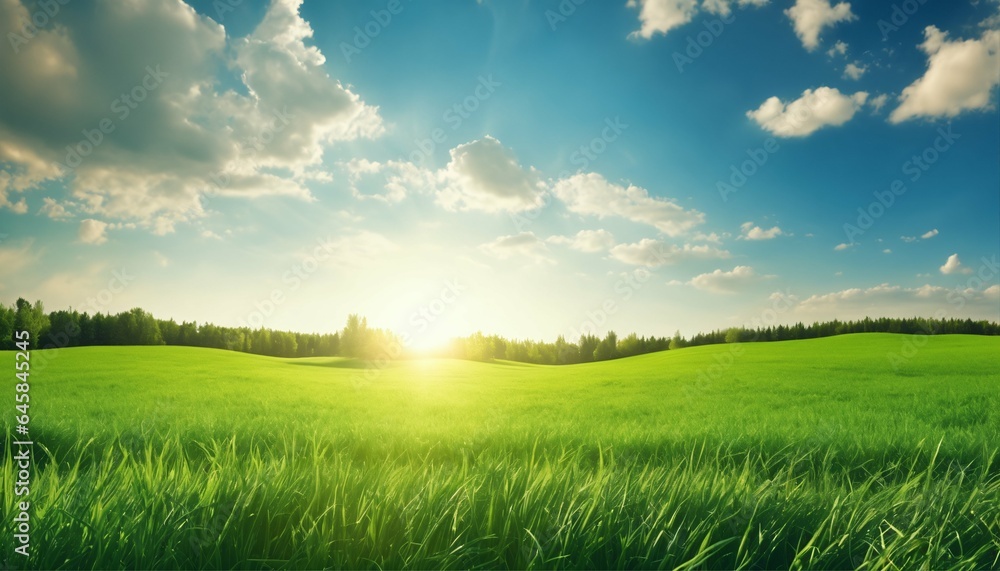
655 253
93 231
815 109
954 266
839 48
855 70
391 181
591 194
481 175
929 234
177 135
960 76
525 244
810 17
587 240
484 175
887 300
721 281
661 16
53 209
752 232
844 246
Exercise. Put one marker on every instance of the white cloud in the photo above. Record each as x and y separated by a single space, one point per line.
960 76
525 244
360 172
855 70
929 234
887 251
954 266
484 175
654 253
93 231
887 300
842 247
587 240
724 7
53 209
878 102
725 282
661 16
190 136
810 17
712 237
815 109
839 48
751 232
590 194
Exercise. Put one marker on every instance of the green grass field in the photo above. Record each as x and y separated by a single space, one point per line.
804 454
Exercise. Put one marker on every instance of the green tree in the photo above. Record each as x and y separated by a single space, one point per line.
733 335
588 344
607 348
31 318
7 318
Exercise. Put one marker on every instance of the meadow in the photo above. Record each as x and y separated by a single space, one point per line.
816 454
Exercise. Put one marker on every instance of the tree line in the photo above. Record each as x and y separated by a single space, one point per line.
71 328
590 348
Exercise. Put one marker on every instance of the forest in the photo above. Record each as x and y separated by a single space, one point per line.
70 328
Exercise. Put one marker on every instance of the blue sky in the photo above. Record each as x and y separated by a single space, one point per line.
528 168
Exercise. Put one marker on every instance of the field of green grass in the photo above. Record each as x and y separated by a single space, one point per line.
811 454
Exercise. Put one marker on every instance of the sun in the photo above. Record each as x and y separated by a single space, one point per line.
430 341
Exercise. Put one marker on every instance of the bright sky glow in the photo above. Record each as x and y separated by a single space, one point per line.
531 169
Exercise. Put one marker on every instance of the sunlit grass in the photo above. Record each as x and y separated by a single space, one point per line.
813 454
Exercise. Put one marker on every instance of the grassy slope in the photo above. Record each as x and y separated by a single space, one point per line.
791 430
832 389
